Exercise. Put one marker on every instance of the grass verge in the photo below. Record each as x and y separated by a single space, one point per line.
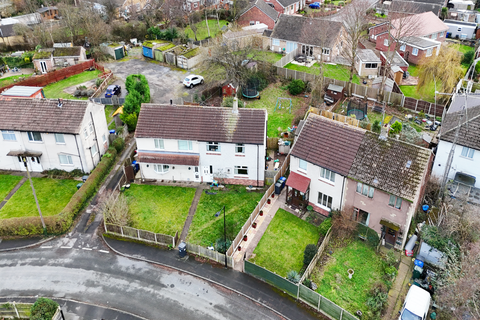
239 204
55 90
160 209
53 195
282 245
7 183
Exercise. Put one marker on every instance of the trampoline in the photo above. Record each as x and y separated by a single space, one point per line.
251 93
357 108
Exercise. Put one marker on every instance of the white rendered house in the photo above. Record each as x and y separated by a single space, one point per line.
202 144
51 134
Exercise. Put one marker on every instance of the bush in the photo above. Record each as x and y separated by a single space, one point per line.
371 236
118 144
228 102
43 309
220 245
477 68
325 226
396 128
376 127
309 253
130 120
293 276
296 87
378 298
467 58
98 82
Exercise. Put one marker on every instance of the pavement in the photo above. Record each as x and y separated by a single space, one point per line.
397 294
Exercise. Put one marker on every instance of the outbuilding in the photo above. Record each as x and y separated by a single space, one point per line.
334 93
367 63
24 92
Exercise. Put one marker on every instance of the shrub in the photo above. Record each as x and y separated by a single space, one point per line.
130 120
228 102
293 276
371 236
118 144
309 253
43 309
296 87
467 58
325 226
396 128
98 82
477 68
220 245
378 298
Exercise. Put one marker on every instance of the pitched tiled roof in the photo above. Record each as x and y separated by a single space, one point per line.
42 115
421 24
327 143
286 3
265 8
305 30
383 165
469 122
202 124
169 158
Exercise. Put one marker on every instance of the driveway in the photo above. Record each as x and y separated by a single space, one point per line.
165 83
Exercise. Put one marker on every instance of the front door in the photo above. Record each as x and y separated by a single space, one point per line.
43 66
208 173
390 236
34 164
197 174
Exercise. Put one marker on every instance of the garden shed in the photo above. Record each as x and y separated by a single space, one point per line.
149 47
160 50
189 58
116 50
334 93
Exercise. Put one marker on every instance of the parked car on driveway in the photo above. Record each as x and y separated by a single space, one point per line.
315 5
113 90
192 80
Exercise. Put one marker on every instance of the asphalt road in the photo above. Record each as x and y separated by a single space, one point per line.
95 276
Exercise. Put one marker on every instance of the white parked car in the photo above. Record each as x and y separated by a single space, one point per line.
192 80
416 304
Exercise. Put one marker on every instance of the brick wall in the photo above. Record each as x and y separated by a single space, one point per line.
376 30
255 14
318 209
380 42
243 182
410 58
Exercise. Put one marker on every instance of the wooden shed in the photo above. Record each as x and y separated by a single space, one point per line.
334 93
229 90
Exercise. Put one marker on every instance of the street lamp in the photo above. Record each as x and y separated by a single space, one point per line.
224 232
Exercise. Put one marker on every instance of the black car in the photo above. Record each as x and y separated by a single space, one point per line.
113 90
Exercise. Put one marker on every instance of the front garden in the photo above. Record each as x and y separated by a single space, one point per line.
159 209
239 203
282 246
7 183
53 195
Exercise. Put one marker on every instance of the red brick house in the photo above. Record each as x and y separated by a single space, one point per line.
286 6
421 36
258 12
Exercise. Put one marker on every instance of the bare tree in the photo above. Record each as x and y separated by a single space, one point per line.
115 211
355 22
172 10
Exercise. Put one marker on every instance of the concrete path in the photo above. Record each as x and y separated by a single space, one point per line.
255 234
191 213
399 290
19 184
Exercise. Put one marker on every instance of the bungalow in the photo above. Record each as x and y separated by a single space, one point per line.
461 29
51 134
200 144
258 12
317 38
367 63
286 6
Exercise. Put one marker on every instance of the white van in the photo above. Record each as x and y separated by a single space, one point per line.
416 304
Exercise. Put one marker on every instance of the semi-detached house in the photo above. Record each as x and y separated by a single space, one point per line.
202 144
51 134
378 180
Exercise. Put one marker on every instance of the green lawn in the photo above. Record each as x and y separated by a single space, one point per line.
462 48
333 282
53 195
7 183
280 118
160 209
109 110
239 204
282 245
202 31
55 90
334 71
267 56
10 80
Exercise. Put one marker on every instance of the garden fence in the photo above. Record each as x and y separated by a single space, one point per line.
113 101
365 92
287 58
210 254
104 84
299 291
142 235
317 256
256 211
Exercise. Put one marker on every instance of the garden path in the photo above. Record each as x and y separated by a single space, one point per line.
399 289
191 212
255 234
19 184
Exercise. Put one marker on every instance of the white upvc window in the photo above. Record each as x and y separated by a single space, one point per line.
434 36
159 144
327 174
326 51
34 136
59 138
275 42
325 200
385 42
104 138
415 51
161 168
90 126
8 135
403 47
429 52
395 201
239 148
93 149
65 159
365 189
361 216
241 170
213 146
302 164
468 152
85 133
185 145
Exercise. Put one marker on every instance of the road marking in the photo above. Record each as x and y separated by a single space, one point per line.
104 251
87 249
66 247
46 247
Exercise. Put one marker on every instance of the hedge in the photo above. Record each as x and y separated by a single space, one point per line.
61 222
